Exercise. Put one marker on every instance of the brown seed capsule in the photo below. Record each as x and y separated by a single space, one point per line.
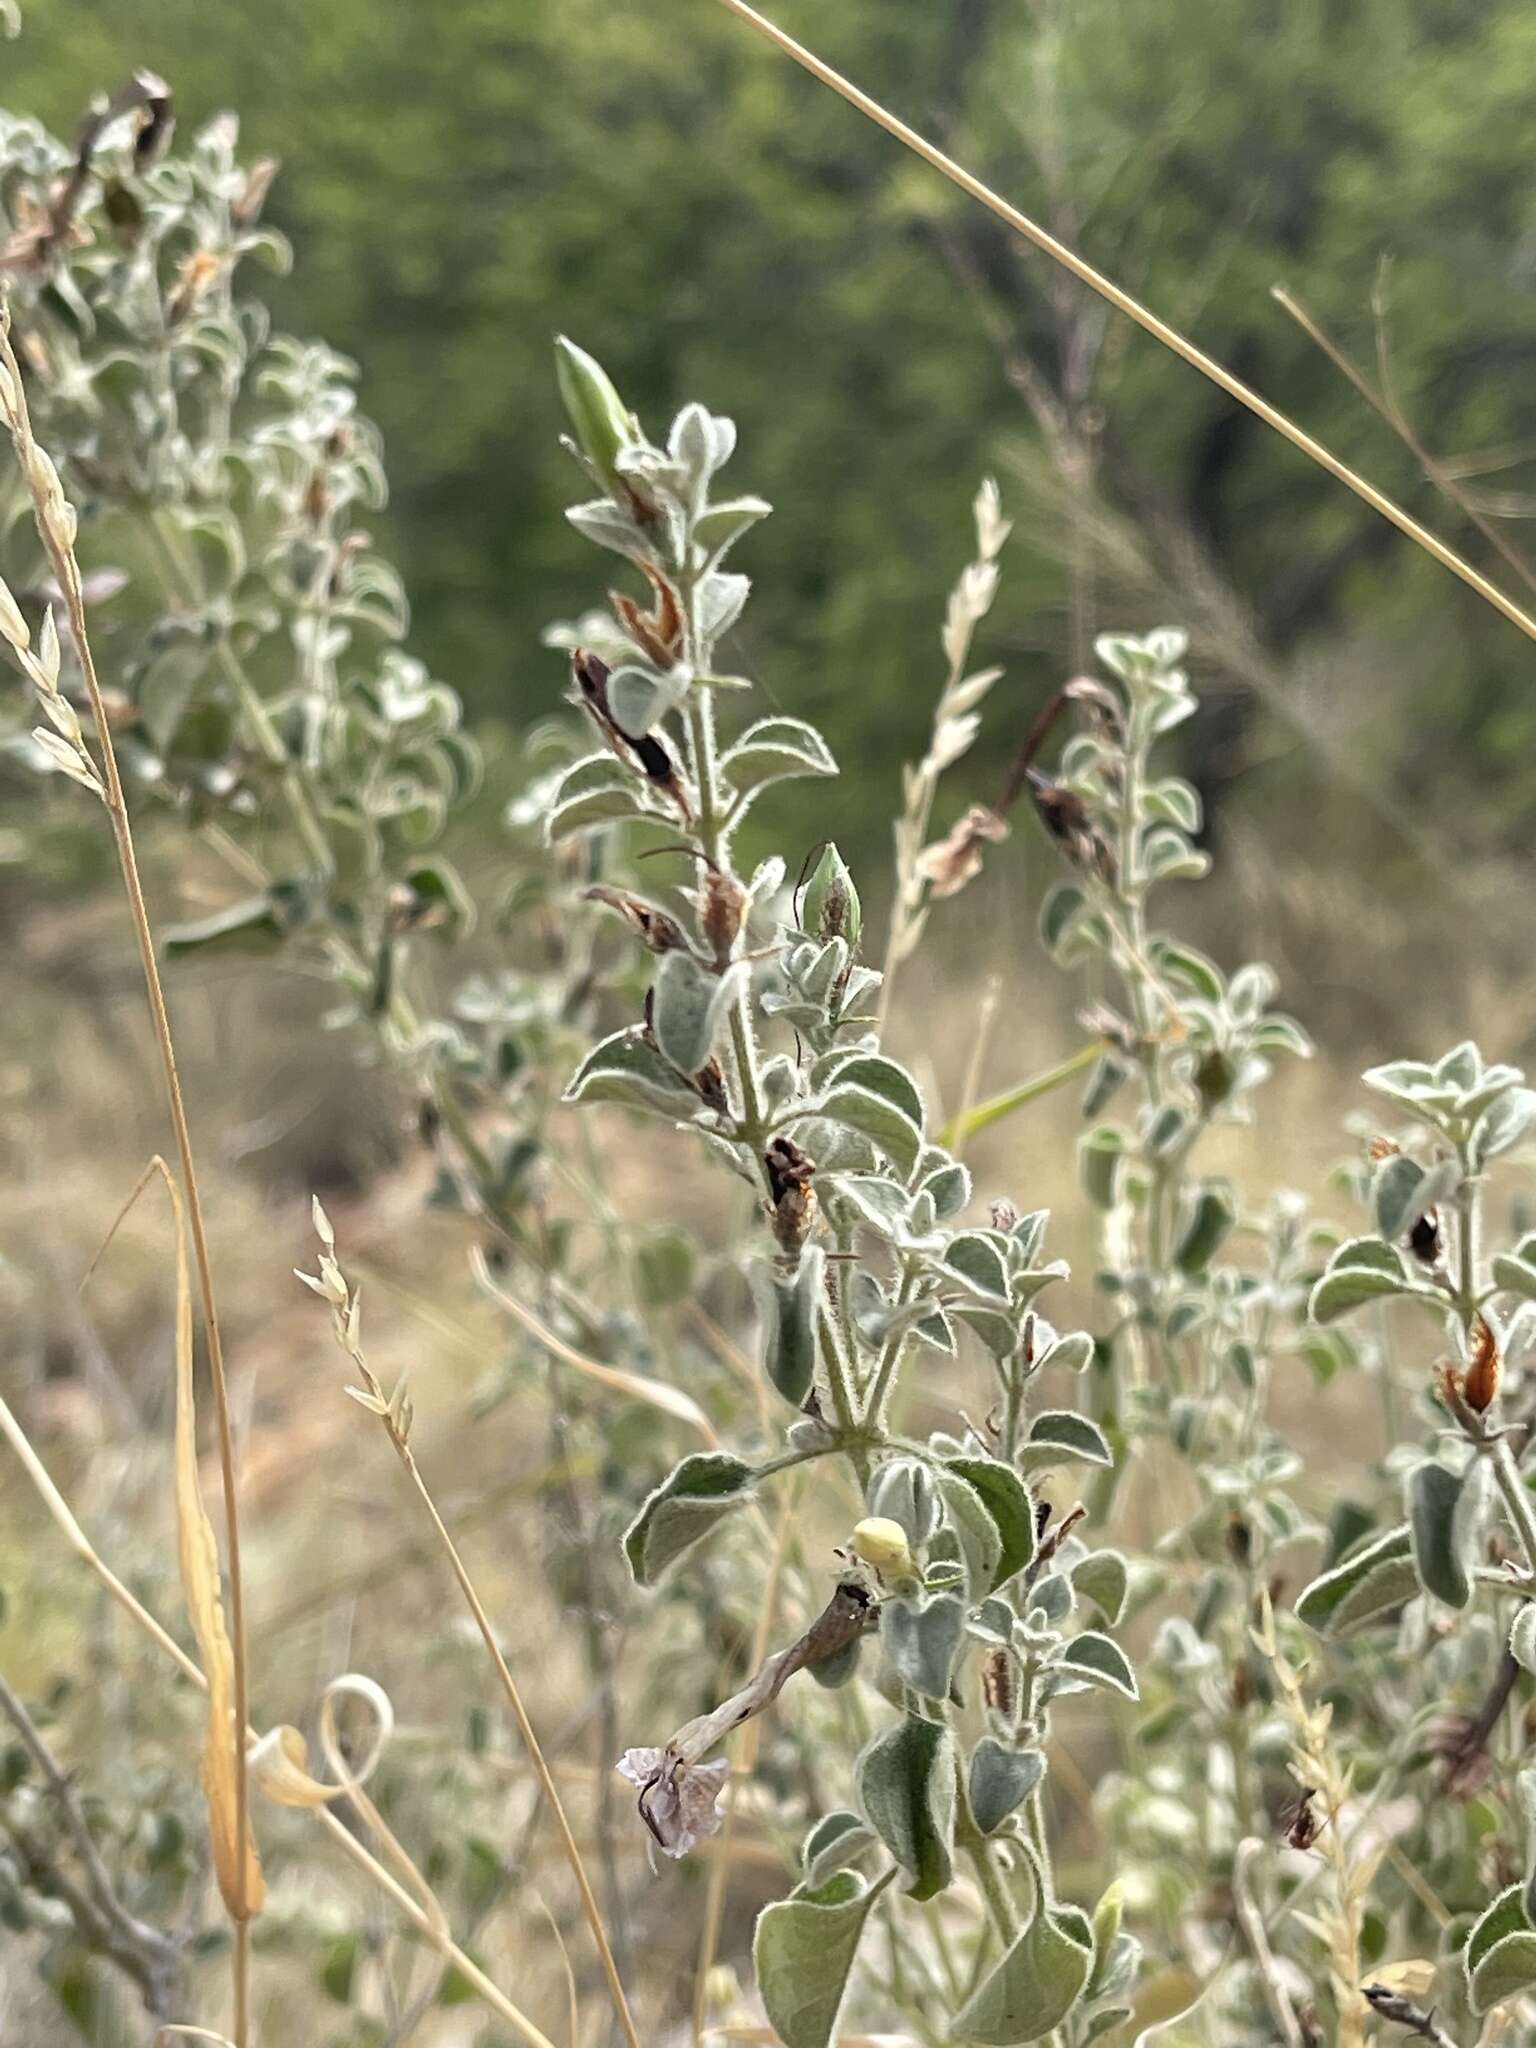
1239 1539
997 1687
723 904
791 1197
1481 1381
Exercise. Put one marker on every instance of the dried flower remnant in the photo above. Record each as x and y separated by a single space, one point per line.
951 862
679 1802
1302 1825
1066 818
679 1792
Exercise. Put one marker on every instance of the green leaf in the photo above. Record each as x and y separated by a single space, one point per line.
907 1784
1522 1637
790 1303
1001 1779
593 791
921 1638
835 1840
1189 968
256 925
774 750
1507 1971
1445 1516
1059 1436
1502 1125
1038 1981
885 1078
1208 1228
1361 1271
1516 1271
876 1118
628 1069
949 1186
802 1954
1500 1954
1099 1155
1395 1199
1372 1582
689 1005
971 1520
694 1497
1103 1577
976 1257
1006 1499
1100 1661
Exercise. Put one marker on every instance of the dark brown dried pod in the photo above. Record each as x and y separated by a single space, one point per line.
997 1687
645 752
659 932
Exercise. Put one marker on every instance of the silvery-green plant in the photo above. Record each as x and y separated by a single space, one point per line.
756 1038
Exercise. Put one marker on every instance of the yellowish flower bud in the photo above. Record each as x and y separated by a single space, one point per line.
884 1545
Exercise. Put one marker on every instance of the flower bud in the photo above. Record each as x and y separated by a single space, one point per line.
884 1545
600 420
829 903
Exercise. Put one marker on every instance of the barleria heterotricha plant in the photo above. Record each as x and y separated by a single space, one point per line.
1307 1819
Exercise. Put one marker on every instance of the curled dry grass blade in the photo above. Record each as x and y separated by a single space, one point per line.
1132 308
56 527
429 1925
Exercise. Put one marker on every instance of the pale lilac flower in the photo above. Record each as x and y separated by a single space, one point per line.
679 1801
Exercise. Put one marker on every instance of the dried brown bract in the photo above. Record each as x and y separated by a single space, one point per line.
659 631
1480 1382
951 862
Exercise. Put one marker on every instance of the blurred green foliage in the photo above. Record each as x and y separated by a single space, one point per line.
460 181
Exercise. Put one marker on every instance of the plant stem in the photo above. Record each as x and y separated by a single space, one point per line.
1516 1498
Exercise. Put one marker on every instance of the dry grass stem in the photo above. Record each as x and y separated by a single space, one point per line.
430 1925
56 527
1134 310
395 1412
